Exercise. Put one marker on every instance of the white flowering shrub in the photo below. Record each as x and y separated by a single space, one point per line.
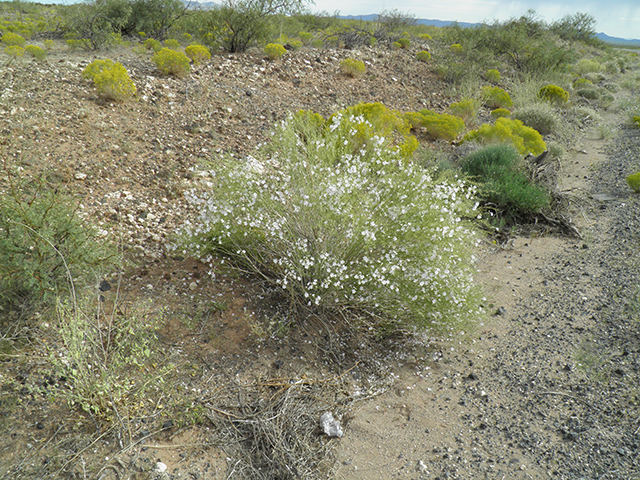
364 233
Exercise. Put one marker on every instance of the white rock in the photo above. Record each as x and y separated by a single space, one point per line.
193 286
160 467
80 176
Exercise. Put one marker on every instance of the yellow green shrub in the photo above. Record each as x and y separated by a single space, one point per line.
274 51
492 75
424 36
404 43
110 79
554 94
12 39
14 51
96 67
171 62
442 125
396 45
465 109
456 48
507 130
172 43
152 44
634 182
582 82
423 56
352 68
306 37
49 44
500 112
586 66
197 53
373 125
636 120
35 52
496 97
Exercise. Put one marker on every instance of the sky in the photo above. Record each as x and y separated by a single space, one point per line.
616 18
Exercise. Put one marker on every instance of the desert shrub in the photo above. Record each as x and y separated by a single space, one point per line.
500 112
274 51
595 77
585 66
636 120
611 87
540 117
14 51
305 37
45 248
492 75
172 43
373 125
48 44
456 48
499 171
152 44
423 56
96 67
110 79
466 109
634 182
496 97
107 360
35 52
352 68
425 36
441 125
197 53
582 82
506 130
171 62
12 39
404 43
554 94
588 93
396 45
361 235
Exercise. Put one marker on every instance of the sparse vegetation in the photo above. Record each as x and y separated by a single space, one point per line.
289 238
352 68
274 51
171 62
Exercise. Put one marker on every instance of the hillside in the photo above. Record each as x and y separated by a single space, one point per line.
545 386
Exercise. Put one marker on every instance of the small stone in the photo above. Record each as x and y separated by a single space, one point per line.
160 467
167 425
39 426
501 311
80 176
193 286
421 466
104 286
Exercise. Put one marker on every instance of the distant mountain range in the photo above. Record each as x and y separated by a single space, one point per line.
440 23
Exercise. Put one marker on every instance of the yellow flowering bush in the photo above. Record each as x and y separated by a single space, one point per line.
352 68
554 94
171 62
423 56
14 51
496 97
35 52
198 53
110 79
634 182
274 51
12 39
442 125
506 130
492 75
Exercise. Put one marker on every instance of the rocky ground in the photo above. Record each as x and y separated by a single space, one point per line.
548 387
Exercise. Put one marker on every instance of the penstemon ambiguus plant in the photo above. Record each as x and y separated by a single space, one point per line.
361 232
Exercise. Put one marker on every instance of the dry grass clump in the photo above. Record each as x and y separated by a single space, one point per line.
271 429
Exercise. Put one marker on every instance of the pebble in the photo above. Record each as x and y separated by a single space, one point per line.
160 467
193 286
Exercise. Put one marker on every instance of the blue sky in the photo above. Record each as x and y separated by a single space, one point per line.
617 18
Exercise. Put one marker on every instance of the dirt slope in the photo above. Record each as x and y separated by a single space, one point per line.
547 388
